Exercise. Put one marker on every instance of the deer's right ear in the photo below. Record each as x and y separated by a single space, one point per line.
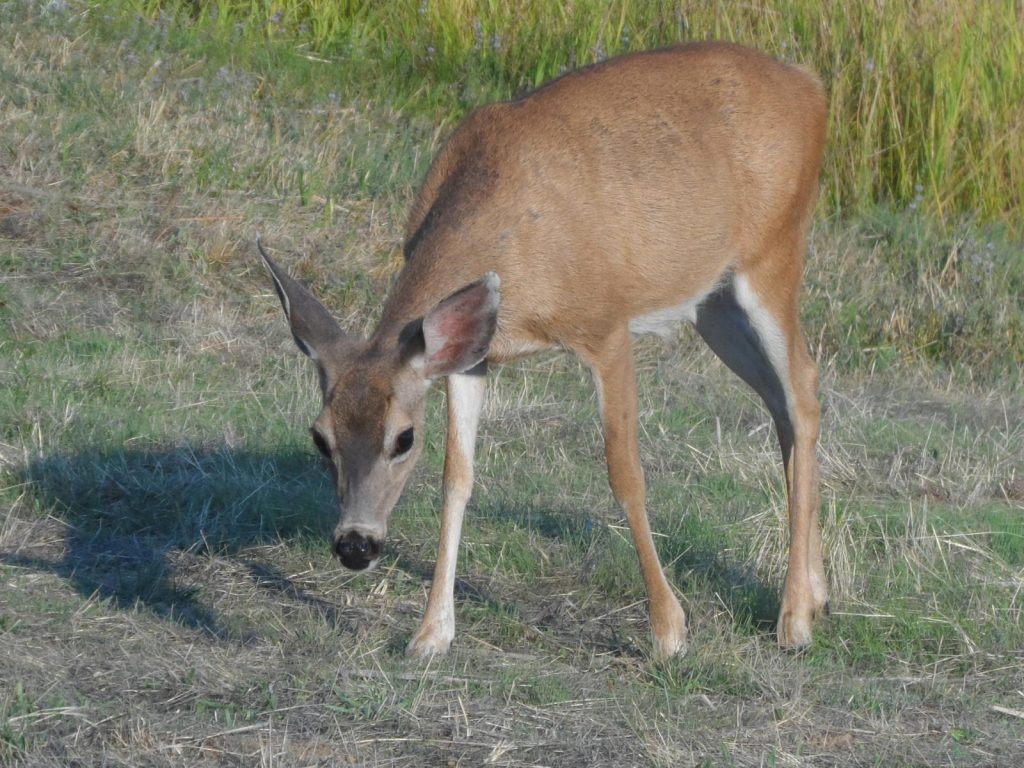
316 333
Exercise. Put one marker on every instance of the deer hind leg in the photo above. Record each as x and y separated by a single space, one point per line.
612 366
465 401
761 342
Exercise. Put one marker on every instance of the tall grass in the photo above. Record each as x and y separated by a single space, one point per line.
925 96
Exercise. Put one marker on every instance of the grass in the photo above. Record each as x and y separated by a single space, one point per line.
167 596
923 100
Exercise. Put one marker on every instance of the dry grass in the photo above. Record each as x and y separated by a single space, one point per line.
167 598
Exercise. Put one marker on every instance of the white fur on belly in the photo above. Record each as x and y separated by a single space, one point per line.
665 320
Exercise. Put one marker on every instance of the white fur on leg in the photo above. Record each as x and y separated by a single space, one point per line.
465 401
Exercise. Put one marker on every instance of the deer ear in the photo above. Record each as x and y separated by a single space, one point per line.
456 334
316 333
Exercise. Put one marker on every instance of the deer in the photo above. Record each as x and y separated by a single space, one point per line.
643 192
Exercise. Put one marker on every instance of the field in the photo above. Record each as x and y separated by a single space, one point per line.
167 597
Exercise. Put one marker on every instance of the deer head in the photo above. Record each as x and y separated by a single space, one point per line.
370 426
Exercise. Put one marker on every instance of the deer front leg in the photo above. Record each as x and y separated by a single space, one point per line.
465 401
616 382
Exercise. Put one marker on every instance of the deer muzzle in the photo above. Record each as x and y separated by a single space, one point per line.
357 551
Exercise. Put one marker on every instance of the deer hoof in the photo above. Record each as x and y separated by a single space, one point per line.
794 630
429 641
669 638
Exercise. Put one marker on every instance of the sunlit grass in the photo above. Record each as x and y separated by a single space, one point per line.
925 99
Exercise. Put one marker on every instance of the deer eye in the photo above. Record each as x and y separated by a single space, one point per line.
320 443
404 442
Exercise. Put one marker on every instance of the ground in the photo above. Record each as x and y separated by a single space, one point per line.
167 595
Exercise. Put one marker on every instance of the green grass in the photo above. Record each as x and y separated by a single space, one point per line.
923 100
166 591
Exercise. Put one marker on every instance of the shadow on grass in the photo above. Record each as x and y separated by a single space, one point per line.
130 513
127 513
692 552
753 603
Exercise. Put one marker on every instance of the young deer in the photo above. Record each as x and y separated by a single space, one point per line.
626 197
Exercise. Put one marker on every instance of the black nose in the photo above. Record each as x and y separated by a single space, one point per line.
356 551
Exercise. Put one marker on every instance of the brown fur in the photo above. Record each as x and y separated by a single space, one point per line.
616 190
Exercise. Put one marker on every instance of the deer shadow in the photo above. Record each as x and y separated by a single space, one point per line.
129 514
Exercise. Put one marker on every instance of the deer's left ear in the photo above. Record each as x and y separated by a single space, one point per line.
456 334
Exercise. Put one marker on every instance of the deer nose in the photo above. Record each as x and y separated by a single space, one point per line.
356 551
